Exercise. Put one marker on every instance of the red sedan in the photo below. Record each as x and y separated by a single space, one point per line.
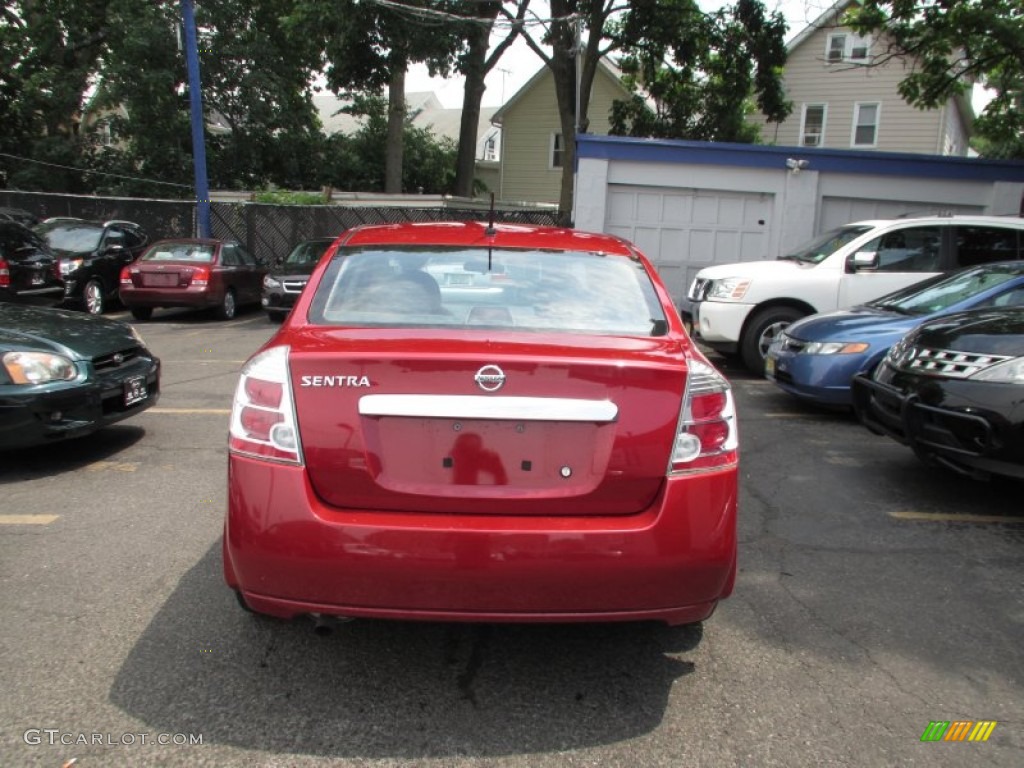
472 423
196 273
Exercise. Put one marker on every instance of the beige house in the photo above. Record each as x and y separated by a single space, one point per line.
531 134
844 92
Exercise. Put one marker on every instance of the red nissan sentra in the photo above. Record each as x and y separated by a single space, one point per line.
482 423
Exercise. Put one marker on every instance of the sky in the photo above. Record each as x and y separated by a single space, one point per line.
520 63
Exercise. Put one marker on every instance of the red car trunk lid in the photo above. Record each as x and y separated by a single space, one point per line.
395 421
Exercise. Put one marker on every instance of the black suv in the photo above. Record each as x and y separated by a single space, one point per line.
91 256
951 389
28 268
288 277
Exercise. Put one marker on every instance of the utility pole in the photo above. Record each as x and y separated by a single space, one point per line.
188 18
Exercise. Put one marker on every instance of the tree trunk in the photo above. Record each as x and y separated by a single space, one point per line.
396 128
563 69
473 94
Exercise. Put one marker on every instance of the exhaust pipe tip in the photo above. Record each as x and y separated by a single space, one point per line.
324 625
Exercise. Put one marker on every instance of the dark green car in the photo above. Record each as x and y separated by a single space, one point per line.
66 374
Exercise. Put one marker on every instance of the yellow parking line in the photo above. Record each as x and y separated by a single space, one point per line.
189 410
27 519
941 517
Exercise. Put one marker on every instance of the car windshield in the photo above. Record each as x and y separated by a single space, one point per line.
179 252
307 253
943 291
824 245
524 290
76 238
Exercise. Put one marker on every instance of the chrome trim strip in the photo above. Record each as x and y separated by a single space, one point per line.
483 407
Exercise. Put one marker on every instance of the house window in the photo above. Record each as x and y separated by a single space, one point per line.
812 126
846 46
865 125
556 150
491 148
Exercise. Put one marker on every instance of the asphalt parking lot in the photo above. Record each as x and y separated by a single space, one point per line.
876 595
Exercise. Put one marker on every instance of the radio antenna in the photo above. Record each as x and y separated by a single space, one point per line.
491 231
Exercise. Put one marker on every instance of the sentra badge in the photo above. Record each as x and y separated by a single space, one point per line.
336 381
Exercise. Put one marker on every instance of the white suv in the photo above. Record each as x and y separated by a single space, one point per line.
739 308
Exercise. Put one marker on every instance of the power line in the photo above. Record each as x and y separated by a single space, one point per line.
99 173
437 16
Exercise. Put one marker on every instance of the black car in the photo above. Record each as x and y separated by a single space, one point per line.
64 374
29 272
91 256
285 281
953 390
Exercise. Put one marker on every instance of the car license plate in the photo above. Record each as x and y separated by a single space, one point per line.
135 390
160 280
37 278
769 366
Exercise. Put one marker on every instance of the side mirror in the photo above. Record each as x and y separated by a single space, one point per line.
864 260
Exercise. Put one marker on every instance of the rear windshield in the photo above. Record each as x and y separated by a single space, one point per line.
179 252
524 290
76 238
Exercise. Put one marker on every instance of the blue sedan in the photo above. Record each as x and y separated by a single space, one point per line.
816 357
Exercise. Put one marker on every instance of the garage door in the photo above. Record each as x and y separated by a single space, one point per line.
836 211
683 230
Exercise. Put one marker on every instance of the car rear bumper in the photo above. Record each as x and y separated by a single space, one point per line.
290 554
183 297
46 296
73 410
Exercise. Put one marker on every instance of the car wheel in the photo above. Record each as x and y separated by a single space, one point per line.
762 330
227 307
142 313
275 317
92 294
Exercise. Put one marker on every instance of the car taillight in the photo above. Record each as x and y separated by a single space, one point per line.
707 436
126 277
5 274
201 276
263 421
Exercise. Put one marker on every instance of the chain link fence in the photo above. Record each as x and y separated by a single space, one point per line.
267 231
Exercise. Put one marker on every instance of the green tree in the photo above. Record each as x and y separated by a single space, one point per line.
954 44
256 99
49 53
368 48
356 162
72 65
704 72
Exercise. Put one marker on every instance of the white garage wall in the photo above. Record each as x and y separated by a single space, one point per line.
682 230
688 205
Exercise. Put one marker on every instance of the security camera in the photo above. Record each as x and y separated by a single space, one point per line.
796 165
